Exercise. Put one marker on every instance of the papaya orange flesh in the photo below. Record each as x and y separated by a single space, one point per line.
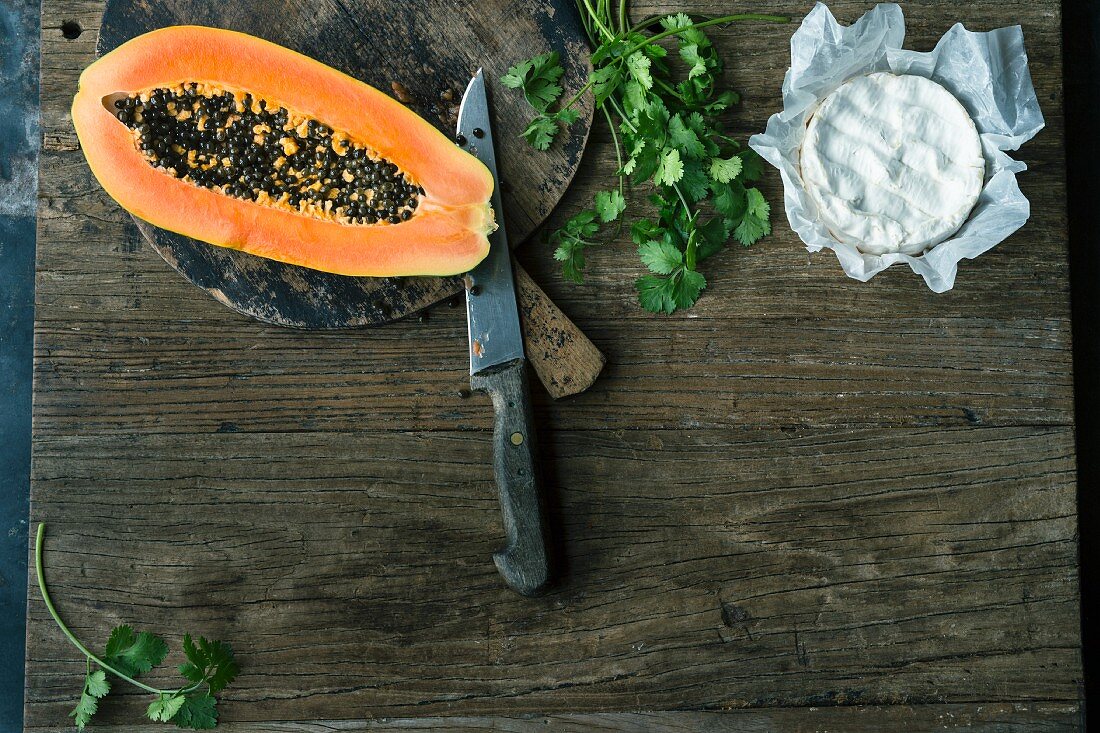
241 143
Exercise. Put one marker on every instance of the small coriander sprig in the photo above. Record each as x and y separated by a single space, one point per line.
538 78
209 668
666 129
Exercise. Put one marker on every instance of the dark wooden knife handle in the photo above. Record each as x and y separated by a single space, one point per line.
523 560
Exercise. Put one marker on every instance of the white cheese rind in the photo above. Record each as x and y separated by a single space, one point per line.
893 163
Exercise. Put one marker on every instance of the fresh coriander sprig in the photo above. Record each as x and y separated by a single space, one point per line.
669 133
538 79
210 667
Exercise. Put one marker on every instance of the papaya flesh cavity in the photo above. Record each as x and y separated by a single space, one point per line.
241 143
234 144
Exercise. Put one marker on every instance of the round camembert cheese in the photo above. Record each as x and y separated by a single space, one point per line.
893 163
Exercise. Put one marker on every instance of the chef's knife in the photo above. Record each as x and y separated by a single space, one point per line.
498 366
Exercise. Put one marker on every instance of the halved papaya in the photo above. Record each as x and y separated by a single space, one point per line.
241 143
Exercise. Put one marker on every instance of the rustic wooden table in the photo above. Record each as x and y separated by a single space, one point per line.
807 503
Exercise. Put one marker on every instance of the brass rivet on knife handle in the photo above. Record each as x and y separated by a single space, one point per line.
565 361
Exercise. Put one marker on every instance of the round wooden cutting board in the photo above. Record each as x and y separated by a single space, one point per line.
423 53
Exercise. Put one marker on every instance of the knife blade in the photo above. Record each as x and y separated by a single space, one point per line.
498 366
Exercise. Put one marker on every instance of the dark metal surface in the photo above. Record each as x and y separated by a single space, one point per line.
370 41
19 141
1081 54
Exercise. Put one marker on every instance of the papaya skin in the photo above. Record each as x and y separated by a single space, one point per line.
446 236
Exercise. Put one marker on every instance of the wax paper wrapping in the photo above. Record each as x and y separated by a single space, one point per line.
987 72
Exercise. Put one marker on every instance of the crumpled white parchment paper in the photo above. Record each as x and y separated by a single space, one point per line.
987 72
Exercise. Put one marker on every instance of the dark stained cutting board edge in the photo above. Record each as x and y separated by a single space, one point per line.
532 181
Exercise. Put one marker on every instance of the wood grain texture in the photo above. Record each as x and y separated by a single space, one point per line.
565 359
370 41
701 570
805 493
978 718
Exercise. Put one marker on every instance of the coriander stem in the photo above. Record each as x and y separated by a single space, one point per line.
725 19
714 21
622 114
587 23
683 200
575 97
618 151
668 87
627 122
624 21
38 542
598 21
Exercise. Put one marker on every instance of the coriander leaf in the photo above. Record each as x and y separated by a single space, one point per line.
699 126
570 253
683 138
652 124
712 238
639 64
96 683
95 686
695 37
755 223
643 164
84 710
725 170
634 101
540 133
687 287
752 165
122 637
669 169
605 80
517 75
644 230
609 205
751 229
729 199
696 122
194 655
221 667
652 50
583 224
134 654
570 241
661 257
198 712
191 672
723 101
537 78
697 63
609 50
567 116
694 92
542 92
756 205
165 707
694 182
655 293
676 22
